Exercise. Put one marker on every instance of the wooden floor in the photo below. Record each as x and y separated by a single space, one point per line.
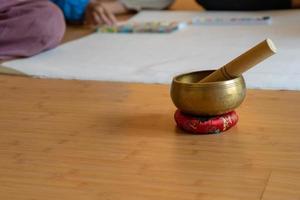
85 140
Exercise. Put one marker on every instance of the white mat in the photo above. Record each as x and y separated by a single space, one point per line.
156 58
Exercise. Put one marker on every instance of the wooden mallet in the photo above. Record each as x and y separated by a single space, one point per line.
239 65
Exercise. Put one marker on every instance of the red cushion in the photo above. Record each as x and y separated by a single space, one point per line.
205 125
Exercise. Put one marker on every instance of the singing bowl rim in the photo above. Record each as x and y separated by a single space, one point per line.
179 87
206 84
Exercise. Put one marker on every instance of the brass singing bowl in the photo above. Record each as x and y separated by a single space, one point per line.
206 99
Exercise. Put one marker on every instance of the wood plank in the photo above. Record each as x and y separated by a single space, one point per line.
283 185
94 140
186 5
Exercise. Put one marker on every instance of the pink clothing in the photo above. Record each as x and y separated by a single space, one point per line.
28 27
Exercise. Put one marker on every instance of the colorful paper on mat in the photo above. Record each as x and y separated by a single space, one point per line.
144 27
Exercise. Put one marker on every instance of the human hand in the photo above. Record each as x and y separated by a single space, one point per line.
99 13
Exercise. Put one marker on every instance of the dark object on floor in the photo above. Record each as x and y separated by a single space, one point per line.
245 4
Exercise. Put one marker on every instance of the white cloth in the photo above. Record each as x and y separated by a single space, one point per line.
147 4
156 58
